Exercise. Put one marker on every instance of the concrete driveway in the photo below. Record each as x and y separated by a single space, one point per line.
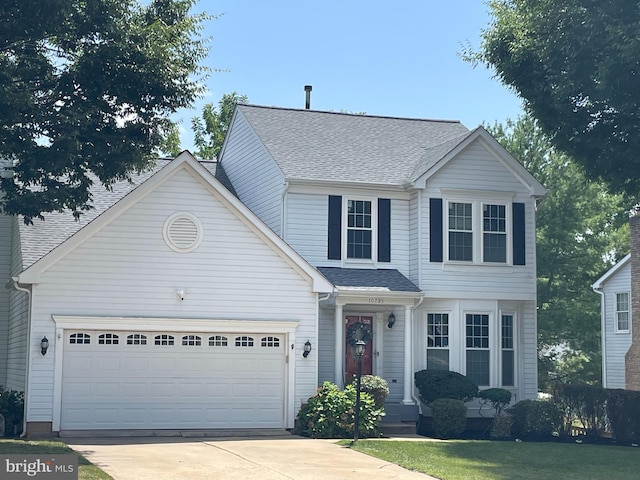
267 458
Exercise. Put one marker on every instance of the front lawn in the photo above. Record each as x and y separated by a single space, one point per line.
86 470
485 460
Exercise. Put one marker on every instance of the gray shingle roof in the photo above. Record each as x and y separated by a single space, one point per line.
41 237
362 277
315 145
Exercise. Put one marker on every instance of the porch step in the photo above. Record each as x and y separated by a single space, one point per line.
398 413
397 429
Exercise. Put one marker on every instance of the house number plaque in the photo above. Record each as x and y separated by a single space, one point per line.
376 300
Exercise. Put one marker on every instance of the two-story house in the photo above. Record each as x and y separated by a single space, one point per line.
209 295
426 230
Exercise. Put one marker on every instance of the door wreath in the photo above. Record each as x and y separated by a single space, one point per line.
358 331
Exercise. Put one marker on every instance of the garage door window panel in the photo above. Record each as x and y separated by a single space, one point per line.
218 341
191 341
244 341
270 342
136 339
108 339
164 340
80 339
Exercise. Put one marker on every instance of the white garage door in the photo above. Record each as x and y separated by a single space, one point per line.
130 380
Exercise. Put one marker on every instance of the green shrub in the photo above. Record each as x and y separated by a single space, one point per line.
12 408
434 384
375 386
623 410
501 426
330 413
449 417
586 404
498 398
532 418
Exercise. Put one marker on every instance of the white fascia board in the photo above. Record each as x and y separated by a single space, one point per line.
612 271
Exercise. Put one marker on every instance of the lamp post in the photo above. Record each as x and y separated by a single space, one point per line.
360 346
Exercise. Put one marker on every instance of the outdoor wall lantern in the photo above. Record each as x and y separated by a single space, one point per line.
44 346
307 349
359 349
391 321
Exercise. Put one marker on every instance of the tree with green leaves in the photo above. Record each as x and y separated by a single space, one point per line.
210 129
582 230
86 90
576 65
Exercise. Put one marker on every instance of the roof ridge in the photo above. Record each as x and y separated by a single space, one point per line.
385 117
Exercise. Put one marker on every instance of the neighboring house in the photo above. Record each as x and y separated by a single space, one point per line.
186 298
426 230
619 289
614 288
171 306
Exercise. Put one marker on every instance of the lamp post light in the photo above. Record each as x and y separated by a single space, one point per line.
360 346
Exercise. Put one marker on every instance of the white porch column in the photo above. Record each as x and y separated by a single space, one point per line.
339 348
408 364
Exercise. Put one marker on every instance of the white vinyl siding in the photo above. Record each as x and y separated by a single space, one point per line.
126 270
17 326
6 223
307 228
254 175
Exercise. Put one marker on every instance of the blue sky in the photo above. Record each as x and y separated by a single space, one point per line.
383 58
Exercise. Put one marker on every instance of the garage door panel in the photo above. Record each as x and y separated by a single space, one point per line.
172 386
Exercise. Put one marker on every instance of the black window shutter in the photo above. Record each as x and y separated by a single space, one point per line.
335 227
384 230
519 243
435 229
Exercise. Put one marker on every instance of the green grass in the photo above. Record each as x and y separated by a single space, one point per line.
86 470
485 460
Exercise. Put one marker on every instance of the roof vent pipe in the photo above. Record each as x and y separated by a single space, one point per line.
307 103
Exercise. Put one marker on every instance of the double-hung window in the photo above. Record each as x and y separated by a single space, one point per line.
477 348
359 229
478 232
494 233
461 231
622 312
438 341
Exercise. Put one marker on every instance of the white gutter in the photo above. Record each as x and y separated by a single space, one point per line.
28 361
603 335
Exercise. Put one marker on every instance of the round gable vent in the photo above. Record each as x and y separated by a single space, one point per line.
182 232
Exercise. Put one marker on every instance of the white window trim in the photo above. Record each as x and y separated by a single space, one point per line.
477 232
616 311
374 230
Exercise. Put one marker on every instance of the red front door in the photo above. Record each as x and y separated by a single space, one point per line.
358 328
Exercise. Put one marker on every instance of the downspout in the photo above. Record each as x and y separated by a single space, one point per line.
603 325
413 357
17 286
283 212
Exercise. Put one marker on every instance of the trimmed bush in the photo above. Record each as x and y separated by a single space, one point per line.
12 408
584 403
498 398
330 413
623 410
449 417
435 384
532 418
375 386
